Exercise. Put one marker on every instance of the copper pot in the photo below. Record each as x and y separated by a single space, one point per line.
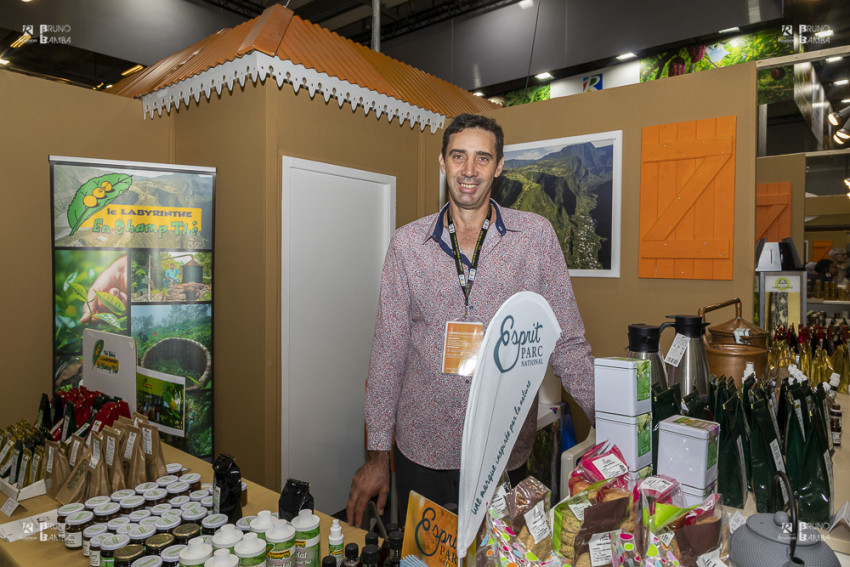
733 344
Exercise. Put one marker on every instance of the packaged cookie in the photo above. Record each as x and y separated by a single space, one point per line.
528 509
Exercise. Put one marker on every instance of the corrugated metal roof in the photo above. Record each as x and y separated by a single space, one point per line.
278 32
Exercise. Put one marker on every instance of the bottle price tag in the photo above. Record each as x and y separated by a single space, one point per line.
677 350
10 506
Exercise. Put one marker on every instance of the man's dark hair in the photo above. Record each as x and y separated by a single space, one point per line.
463 121
823 266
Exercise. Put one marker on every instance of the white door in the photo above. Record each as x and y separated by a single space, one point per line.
336 225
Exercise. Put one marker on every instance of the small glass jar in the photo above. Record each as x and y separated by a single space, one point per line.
207 486
75 524
113 525
198 495
139 515
193 480
154 497
157 543
193 515
171 555
120 495
63 513
105 513
144 487
174 468
132 504
212 523
178 488
207 502
94 549
109 545
244 523
184 532
166 524
96 501
161 509
125 556
140 533
89 533
164 481
148 561
178 501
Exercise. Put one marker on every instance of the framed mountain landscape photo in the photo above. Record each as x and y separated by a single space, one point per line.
576 183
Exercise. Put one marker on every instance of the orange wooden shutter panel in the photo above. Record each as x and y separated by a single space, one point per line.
773 211
687 200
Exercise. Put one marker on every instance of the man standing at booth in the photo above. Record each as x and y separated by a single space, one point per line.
444 277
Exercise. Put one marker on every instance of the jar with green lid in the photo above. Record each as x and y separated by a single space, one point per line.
198 495
154 497
184 532
139 515
261 524
222 558
195 554
114 524
125 529
150 521
156 543
171 555
75 524
96 501
173 512
107 512
165 524
281 539
125 556
94 549
120 495
251 551
63 513
144 487
193 480
109 545
307 537
140 533
89 533
148 561
174 468
207 502
194 514
160 509
178 488
178 501
244 523
211 523
164 481
132 504
227 537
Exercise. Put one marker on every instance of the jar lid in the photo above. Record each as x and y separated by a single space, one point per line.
196 552
187 530
149 521
139 515
190 505
227 536
96 501
177 487
79 518
159 541
69 509
172 512
125 528
155 494
164 481
173 468
208 486
198 495
160 509
94 530
95 541
191 478
262 522
115 523
129 553
140 532
132 501
144 487
195 513
222 558
305 521
119 495
111 543
207 502
107 509
171 554
250 546
214 521
280 531
149 561
178 501
167 522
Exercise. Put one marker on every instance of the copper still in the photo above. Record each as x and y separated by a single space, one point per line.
734 343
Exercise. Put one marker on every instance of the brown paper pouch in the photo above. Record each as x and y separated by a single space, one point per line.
133 457
111 454
56 467
152 445
139 419
98 475
74 489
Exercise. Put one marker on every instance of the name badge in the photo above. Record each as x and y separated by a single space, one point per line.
461 345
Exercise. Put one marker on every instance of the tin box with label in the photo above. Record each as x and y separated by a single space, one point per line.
623 386
687 450
692 496
632 435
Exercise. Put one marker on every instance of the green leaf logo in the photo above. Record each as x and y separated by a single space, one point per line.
98 348
95 194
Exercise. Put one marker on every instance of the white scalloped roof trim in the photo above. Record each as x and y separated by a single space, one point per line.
258 66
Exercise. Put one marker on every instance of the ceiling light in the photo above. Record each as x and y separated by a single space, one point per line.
4 61
824 33
526 4
545 76
843 133
841 82
835 118
730 30
834 59
478 93
25 37
626 56
132 70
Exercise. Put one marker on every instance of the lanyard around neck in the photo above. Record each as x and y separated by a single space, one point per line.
466 285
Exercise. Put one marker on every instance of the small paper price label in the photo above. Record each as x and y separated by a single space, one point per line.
677 350
9 507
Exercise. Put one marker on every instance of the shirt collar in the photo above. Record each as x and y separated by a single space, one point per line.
437 233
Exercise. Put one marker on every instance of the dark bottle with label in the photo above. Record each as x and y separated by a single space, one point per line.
396 540
372 539
352 555
329 561
369 555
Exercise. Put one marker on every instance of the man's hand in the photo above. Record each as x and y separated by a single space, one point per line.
373 478
112 280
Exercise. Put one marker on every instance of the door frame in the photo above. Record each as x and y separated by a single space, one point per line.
289 164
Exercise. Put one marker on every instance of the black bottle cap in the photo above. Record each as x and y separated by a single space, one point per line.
396 538
328 561
689 325
391 527
369 554
371 538
644 338
352 551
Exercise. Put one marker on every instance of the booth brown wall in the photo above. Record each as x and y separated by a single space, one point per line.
41 118
790 168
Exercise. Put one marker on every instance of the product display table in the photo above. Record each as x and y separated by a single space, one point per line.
31 551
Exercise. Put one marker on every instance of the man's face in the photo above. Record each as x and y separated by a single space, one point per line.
470 166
